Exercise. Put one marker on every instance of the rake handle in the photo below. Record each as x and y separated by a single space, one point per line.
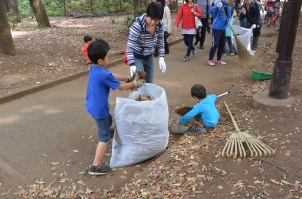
232 118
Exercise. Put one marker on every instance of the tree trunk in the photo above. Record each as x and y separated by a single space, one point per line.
6 39
12 8
40 13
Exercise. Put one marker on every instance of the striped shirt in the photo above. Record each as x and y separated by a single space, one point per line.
141 43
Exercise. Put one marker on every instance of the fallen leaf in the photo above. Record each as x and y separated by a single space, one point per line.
285 182
88 191
220 187
55 163
275 181
123 177
257 182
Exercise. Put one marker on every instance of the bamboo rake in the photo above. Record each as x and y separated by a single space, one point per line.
237 142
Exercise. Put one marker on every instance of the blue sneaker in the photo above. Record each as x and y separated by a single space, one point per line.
186 58
194 51
199 130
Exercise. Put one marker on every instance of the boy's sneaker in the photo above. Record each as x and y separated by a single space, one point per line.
224 54
199 129
232 53
100 170
194 51
186 58
211 62
221 62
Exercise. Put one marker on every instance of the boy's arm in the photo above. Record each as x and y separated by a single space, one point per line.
125 86
189 115
120 77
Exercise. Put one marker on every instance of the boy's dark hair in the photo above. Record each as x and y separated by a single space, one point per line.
98 50
87 38
198 91
163 2
155 10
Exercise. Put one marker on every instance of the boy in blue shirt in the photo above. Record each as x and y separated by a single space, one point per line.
100 80
204 112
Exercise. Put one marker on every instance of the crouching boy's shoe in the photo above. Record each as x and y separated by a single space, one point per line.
199 129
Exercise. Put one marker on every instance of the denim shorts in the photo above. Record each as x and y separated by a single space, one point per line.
103 126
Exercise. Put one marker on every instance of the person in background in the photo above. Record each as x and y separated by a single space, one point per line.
145 31
228 36
167 26
243 20
204 111
187 13
205 6
100 81
220 11
251 12
87 40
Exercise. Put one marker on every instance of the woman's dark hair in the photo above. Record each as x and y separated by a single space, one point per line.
198 91
155 10
186 1
163 2
98 50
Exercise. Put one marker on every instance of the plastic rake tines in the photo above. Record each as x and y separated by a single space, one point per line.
239 143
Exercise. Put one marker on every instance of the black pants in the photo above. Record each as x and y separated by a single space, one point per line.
256 35
166 35
201 35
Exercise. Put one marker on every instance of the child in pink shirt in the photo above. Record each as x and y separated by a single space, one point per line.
87 40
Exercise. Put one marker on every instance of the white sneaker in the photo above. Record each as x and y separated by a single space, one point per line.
211 62
232 53
221 62
254 51
224 54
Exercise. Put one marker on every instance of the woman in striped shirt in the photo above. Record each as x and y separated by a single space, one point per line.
147 30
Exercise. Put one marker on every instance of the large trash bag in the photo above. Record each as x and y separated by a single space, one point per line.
244 35
141 127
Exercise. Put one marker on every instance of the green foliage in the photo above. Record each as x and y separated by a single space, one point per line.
25 9
13 21
139 11
56 7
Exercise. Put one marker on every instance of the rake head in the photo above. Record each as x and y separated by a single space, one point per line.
241 144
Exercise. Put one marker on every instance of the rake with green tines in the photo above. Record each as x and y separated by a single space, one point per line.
241 143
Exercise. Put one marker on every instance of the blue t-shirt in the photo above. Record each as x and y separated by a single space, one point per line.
207 109
100 80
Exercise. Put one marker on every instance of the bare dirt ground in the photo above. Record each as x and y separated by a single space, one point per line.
195 168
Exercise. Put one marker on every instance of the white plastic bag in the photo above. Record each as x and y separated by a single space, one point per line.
141 127
244 35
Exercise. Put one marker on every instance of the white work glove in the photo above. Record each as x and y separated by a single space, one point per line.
219 5
138 82
253 26
162 64
230 23
132 70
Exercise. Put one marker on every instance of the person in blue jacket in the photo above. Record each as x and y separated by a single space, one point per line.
204 111
220 11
